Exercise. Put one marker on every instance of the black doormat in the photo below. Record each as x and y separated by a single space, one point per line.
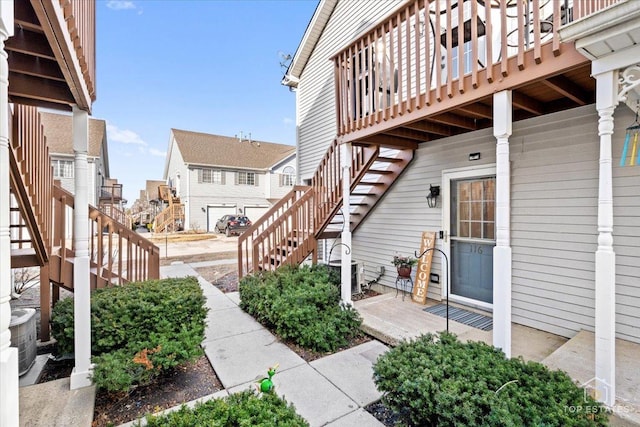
461 315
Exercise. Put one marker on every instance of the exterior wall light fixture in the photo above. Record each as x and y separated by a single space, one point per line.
432 197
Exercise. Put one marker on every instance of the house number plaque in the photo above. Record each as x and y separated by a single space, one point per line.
424 267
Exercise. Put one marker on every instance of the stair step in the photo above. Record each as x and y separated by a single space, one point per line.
388 159
372 184
380 172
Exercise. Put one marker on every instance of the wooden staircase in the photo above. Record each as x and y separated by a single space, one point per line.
172 217
288 233
41 225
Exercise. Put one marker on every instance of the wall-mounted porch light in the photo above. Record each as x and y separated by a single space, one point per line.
432 197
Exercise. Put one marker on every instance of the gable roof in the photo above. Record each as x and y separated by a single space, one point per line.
152 188
309 40
58 129
223 151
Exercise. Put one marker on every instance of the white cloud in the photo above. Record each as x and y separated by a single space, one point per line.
287 121
158 153
123 136
121 5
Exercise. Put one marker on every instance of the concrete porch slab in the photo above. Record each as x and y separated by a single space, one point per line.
577 358
389 319
53 404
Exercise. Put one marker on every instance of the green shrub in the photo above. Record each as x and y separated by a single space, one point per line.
138 330
442 382
240 409
301 305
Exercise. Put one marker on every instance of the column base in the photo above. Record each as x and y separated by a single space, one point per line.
9 402
605 327
80 379
502 299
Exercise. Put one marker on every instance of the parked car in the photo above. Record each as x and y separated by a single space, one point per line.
232 224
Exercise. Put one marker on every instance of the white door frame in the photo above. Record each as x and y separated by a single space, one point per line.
447 176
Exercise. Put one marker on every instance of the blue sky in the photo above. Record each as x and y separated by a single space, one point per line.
208 66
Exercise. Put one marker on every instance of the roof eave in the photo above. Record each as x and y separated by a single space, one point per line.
309 39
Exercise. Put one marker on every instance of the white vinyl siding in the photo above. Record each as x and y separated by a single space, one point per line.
554 194
316 95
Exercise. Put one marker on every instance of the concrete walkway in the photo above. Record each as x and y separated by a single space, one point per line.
330 391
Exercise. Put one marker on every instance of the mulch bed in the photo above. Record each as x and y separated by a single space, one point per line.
180 385
383 414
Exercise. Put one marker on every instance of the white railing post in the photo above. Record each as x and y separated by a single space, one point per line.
80 377
605 278
8 355
345 237
502 122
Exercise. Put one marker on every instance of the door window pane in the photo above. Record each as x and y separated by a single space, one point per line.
475 208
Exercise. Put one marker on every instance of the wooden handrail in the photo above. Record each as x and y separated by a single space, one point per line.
169 216
421 55
118 254
261 228
32 177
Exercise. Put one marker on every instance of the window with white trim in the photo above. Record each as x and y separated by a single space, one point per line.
246 178
210 176
62 168
287 177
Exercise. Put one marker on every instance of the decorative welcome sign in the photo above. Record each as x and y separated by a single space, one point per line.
428 241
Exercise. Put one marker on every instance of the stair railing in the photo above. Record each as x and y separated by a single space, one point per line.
118 255
291 218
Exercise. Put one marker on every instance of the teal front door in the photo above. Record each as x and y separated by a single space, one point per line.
472 238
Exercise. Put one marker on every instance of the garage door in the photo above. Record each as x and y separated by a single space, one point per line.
255 212
214 213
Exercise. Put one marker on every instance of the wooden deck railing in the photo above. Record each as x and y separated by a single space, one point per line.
80 16
32 176
115 213
327 180
430 51
290 220
168 219
118 255
112 193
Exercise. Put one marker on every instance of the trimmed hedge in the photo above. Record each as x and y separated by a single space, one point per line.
301 305
239 409
439 381
138 330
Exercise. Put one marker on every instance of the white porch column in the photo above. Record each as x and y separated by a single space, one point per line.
82 292
502 120
8 355
605 304
345 266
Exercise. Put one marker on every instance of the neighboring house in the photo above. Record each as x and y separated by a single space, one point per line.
104 192
214 175
148 204
539 219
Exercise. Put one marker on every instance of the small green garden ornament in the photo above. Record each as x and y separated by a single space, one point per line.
265 385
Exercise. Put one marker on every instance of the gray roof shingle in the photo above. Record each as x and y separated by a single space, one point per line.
223 151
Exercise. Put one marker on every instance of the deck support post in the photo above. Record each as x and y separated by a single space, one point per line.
502 128
80 377
605 277
345 272
9 408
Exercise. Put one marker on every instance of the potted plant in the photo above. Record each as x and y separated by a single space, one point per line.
403 264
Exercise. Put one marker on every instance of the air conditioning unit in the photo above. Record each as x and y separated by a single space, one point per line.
357 274
23 336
